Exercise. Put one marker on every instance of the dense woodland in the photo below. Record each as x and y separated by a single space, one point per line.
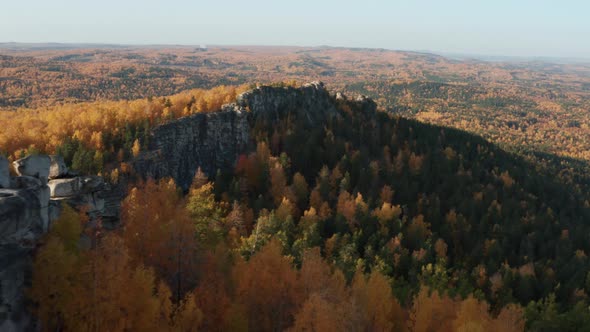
368 222
525 106
92 135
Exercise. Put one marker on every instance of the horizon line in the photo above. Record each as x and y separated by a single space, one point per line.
446 54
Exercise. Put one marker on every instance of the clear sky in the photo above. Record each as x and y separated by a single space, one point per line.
486 27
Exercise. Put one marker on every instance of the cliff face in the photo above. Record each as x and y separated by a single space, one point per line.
214 141
312 101
29 203
211 141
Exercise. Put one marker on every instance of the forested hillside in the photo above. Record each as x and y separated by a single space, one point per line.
361 221
525 105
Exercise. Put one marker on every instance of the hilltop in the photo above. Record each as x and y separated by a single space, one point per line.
296 178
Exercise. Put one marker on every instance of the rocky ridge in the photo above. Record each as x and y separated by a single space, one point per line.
30 201
213 141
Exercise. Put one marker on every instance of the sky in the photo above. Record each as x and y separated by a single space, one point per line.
556 28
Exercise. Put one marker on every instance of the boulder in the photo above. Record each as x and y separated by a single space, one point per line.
91 183
65 187
340 96
24 182
38 193
58 167
315 85
23 211
12 213
4 173
34 165
75 186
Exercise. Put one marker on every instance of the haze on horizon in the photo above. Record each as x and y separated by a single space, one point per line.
495 28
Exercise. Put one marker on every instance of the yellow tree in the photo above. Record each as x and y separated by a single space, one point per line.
267 288
472 315
431 312
318 314
136 148
111 294
212 294
278 183
510 319
200 179
54 270
301 189
316 276
378 309
160 234
205 214
188 316
52 288
236 219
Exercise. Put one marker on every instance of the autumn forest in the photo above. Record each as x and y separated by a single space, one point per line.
453 195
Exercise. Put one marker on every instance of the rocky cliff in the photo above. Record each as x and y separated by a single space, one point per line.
211 141
312 101
214 141
29 202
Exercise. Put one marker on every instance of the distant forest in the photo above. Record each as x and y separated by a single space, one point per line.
534 108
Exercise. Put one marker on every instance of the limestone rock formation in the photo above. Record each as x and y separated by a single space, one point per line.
25 212
28 204
58 167
24 206
211 141
80 185
312 101
34 165
80 191
64 187
4 173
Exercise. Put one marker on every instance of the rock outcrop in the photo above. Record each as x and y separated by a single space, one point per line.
34 165
82 191
28 205
24 217
4 173
24 208
58 167
312 101
211 141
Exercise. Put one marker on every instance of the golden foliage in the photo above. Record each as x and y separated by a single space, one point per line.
267 287
46 128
